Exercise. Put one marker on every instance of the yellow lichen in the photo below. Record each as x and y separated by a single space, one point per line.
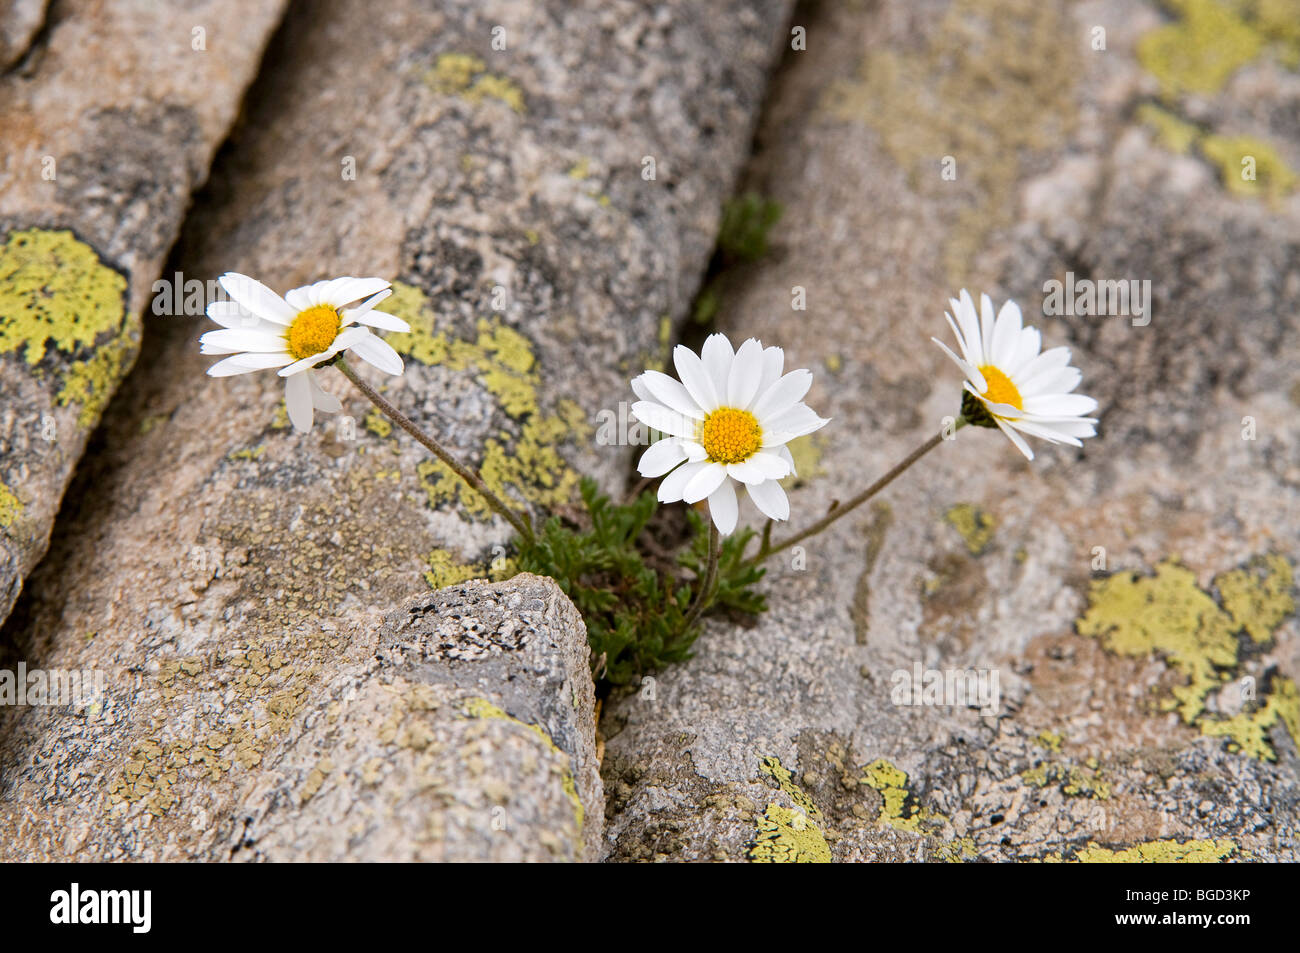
891 782
1169 615
91 382
955 97
1247 731
11 508
466 76
525 469
974 524
1161 852
1250 167
1258 596
378 424
788 836
1201 49
482 708
1174 133
444 570
1197 53
1074 781
247 453
772 767
54 290
1166 614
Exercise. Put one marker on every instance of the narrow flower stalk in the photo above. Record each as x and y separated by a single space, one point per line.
704 595
769 549
520 524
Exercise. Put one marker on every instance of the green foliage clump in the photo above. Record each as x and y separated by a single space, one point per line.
746 221
733 589
634 605
743 233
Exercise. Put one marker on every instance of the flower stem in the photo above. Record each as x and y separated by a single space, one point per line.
704 594
475 481
768 548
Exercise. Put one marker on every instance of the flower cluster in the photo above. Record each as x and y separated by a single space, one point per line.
725 423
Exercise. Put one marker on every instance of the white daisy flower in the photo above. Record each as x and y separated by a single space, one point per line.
728 420
1012 386
294 333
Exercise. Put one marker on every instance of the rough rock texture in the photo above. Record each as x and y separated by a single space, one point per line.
111 114
20 21
1148 705
382 138
465 731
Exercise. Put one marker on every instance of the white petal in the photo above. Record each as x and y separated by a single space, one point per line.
773 365
1006 334
298 299
343 291
366 313
297 398
671 393
1050 361
638 387
704 482
784 453
1074 427
1060 381
694 452
798 420
746 374
243 363
696 378
1026 349
661 418
321 399
378 352
1045 431
964 309
784 394
1015 438
661 457
961 339
239 339
717 357
970 370
759 467
257 298
306 364
1001 410
1060 405
770 499
320 292
986 327
670 490
723 507
232 314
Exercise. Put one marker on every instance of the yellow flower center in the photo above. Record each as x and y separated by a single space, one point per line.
729 435
312 331
1000 389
